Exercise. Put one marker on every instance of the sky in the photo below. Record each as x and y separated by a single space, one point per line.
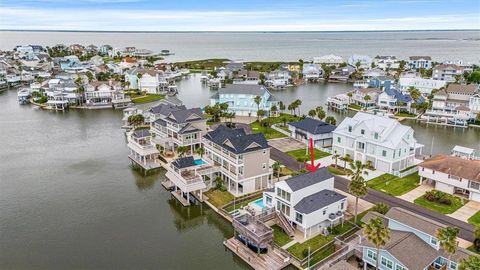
243 15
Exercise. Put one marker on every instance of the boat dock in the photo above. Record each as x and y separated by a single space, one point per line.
272 260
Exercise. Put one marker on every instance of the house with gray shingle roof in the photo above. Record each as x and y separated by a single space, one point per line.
175 125
413 244
310 128
308 201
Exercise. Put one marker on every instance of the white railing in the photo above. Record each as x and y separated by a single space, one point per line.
405 173
275 127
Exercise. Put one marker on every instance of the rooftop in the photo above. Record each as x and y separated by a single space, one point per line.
141 133
184 162
307 179
245 89
236 140
313 126
318 201
464 168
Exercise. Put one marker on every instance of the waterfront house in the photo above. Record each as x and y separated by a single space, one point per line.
452 104
453 175
362 61
467 66
386 62
464 152
381 82
373 73
387 144
143 151
366 97
308 202
413 244
425 86
417 62
309 128
176 126
243 159
330 59
240 98
312 72
340 101
246 77
104 49
278 79
447 72
96 60
342 73
101 93
234 66
146 80
394 101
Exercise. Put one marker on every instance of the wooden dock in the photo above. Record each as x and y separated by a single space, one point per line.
273 260
168 185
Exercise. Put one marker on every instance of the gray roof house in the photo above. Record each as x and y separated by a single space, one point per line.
308 201
319 131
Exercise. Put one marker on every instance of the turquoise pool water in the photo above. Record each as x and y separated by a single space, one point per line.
199 161
259 203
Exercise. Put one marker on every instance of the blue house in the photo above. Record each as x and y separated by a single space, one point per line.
394 100
382 82
412 245
240 99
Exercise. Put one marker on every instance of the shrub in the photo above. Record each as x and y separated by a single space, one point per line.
439 197
381 208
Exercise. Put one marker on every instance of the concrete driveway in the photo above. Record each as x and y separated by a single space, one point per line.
286 144
466 211
417 192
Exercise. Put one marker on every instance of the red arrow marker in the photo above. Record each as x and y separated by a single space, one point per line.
312 167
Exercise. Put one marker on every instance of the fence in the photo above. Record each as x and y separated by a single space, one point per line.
406 172
281 130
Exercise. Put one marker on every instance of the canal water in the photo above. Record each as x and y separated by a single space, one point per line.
69 198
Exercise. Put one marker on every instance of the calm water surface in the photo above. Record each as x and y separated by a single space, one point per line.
268 46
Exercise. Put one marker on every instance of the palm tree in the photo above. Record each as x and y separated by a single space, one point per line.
276 169
331 120
291 107
298 103
357 186
336 156
470 263
274 109
321 114
345 159
367 98
448 239
181 150
312 113
281 106
377 233
200 151
257 101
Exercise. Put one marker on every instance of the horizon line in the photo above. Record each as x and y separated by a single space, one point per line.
233 31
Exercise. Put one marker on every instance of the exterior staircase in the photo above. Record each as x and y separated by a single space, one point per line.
285 224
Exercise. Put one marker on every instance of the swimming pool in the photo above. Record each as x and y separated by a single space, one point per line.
199 161
259 203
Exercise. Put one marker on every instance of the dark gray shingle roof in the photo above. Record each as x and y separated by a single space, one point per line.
141 133
245 89
313 126
166 109
181 116
237 138
318 201
307 179
184 162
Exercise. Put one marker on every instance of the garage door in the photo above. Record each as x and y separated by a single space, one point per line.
383 166
475 196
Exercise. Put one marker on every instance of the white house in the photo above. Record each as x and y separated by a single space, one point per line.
309 128
366 97
425 86
308 201
447 72
386 62
312 72
146 80
420 62
365 61
387 144
330 59
453 175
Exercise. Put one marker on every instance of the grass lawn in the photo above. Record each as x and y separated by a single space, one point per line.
269 132
441 208
314 243
148 98
405 114
355 106
218 198
300 155
475 219
321 255
279 236
337 170
285 171
394 185
242 204
472 249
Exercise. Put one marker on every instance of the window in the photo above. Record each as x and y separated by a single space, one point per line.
324 212
384 153
268 199
349 128
264 165
399 267
453 266
339 140
387 263
433 241
342 205
299 218
371 254
376 136
362 131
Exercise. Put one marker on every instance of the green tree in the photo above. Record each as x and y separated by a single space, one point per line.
357 186
276 169
274 109
261 114
345 159
257 101
331 120
321 114
312 113
89 75
298 103
336 156
377 233
182 150
473 77
200 151
281 106
448 240
470 263
414 93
